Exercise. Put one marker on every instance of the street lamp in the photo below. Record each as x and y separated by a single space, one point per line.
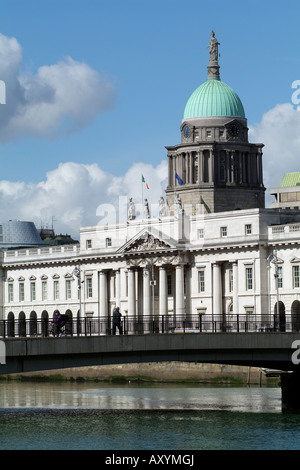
150 267
77 273
272 258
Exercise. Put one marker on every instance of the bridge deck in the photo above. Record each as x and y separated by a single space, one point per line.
268 350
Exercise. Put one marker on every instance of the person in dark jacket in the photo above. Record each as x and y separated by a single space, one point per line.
58 322
117 320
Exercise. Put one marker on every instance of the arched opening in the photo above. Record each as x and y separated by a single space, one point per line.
33 324
295 313
44 323
10 325
280 322
22 324
69 324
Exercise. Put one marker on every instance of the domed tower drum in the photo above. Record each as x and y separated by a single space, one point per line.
215 168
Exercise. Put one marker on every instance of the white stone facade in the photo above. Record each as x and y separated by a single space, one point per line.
209 265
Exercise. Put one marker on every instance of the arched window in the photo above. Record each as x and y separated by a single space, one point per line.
280 322
295 313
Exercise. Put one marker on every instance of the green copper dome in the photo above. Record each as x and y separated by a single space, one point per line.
214 98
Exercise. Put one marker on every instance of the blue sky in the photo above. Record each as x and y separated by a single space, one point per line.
151 55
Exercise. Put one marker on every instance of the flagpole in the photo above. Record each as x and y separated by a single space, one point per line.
142 193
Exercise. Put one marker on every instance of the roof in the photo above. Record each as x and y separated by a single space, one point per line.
290 179
214 98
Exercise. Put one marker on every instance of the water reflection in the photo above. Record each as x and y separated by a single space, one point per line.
133 397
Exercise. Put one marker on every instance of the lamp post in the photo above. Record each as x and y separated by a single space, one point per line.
150 267
77 273
272 258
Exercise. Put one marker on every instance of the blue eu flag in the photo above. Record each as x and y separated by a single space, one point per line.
178 179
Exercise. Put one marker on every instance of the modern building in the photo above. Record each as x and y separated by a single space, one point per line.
287 196
214 251
17 233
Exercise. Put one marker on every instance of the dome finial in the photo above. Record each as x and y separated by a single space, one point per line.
213 64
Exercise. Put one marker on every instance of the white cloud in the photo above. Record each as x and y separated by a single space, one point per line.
60 98
279 131
78 195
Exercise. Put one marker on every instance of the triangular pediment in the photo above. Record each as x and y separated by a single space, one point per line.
147 240
295 259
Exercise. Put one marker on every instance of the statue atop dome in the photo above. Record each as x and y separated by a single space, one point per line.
213 48
213 64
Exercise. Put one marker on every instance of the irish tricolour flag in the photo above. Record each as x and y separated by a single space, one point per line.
144 181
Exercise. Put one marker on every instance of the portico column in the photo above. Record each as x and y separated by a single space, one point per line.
235 309
103 294
131 293
117 293
163 291
146 293
179 294
217 291
200 167
211 166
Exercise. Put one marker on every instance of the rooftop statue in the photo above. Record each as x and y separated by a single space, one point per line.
146 209
213 64
131 210
213 48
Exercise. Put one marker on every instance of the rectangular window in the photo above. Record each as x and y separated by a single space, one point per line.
21 292
279 279
44 290
296 277
88 244
200 232
248 229
201 281
108 242
249 278
10 292
68 289
56 290
223 231
89 287
32 292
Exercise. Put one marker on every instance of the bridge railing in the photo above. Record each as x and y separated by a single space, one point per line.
160 324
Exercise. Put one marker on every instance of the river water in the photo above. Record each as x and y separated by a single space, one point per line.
74 416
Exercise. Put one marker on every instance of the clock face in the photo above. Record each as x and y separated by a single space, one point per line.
186 131
234 130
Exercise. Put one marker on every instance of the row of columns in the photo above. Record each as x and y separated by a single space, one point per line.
198 167
147 300
163 291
